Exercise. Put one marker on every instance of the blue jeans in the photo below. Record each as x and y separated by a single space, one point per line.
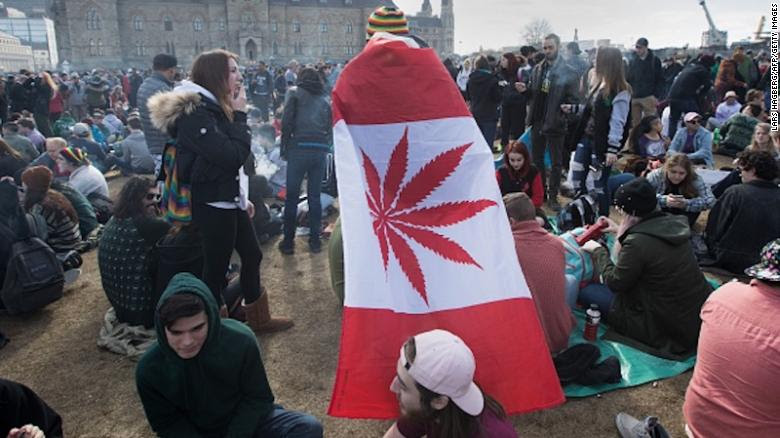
282 423
309 163
583 157
488 129
598 294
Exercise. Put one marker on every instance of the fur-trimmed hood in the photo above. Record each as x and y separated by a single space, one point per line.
166 108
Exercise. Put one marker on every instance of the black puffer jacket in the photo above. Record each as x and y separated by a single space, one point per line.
211 148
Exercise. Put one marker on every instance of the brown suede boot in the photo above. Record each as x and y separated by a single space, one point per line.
258 317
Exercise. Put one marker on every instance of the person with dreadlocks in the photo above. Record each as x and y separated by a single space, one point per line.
124 252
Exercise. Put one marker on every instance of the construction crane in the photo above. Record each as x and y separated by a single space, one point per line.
712 38
760 35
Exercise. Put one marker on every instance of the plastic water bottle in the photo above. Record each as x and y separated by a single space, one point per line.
592 319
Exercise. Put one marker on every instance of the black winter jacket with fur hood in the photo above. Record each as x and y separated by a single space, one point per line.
211 148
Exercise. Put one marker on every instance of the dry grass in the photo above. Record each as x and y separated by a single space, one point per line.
54 352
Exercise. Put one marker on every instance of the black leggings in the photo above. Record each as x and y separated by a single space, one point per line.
222 230
512 122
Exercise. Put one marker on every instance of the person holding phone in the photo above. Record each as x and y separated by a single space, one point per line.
680 190
207 117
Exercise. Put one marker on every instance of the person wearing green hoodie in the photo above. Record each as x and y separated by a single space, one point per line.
652 293
205 378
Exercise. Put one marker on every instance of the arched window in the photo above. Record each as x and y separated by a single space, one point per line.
168 23
221 24
92 47
197 24
100 51
138 23
349 27
93 19
274 26
246 21
323 27
296 26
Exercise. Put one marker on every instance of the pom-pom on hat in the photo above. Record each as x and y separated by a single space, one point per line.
387 19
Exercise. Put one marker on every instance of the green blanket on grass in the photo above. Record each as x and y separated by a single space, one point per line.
636 366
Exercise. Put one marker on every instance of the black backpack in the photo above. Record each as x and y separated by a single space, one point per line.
33 277
578 213
103 206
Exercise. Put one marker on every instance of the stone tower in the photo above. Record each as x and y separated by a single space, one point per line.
426 10
248 32
448 26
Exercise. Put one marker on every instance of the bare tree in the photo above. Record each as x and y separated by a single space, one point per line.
536 30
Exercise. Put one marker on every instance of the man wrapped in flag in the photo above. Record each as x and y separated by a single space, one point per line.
427 243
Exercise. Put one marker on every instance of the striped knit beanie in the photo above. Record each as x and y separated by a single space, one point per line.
387 19
74 156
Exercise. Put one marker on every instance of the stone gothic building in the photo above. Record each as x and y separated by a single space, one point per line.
127 33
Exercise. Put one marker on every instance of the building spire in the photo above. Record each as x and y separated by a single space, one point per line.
427 9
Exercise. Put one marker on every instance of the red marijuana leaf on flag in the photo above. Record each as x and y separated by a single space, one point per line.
398 213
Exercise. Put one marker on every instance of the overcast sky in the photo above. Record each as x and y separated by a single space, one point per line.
497 23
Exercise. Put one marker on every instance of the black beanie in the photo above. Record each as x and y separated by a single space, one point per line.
636 197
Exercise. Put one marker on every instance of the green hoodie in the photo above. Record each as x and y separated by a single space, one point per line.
659 289
221 392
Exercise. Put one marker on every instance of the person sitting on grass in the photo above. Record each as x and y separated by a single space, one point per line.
11 161
738 129
84 177
733 391
518 174
694 141
542 258
746 216
651 295
49 158
135 156
645 139
680 190
437 395
62 221
123 252
204 376
84 210
82 139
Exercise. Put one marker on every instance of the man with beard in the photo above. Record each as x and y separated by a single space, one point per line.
553 82
437 395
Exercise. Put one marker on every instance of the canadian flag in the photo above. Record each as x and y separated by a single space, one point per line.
427 243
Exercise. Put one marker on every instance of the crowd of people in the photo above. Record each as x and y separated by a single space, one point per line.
568 130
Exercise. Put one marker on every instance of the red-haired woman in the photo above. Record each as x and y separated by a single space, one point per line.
512 102
517 174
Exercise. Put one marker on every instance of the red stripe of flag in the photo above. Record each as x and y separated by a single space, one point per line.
370 98
502 342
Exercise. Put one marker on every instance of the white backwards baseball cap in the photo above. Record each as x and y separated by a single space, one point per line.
445 365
